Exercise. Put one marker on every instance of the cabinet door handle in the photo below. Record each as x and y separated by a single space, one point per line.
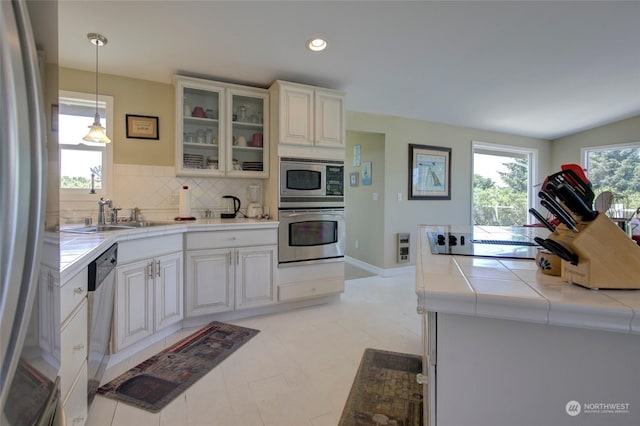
150 270
78 347
157 268
237 258
78 290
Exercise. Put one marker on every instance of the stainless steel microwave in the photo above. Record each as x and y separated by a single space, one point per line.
311 183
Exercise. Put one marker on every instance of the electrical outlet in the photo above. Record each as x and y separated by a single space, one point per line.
399 196
356 243
375 196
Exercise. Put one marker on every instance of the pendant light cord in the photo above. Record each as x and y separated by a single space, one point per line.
97 42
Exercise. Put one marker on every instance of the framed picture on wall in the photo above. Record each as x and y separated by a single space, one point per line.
429 172
142 127
356 156
366 172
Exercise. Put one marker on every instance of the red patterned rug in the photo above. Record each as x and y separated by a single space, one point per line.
154 383
385 391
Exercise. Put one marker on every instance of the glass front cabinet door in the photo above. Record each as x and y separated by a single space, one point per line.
248 132
221 129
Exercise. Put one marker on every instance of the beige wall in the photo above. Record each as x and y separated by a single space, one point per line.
404 215
384 140
567 150
132 96
365 216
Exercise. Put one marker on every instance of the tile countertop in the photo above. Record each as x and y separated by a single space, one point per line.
515 289
78 250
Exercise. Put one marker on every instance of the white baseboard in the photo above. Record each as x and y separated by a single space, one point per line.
383 272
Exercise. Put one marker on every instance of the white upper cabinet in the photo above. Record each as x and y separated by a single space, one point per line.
307 116
221 129
296 114
329 118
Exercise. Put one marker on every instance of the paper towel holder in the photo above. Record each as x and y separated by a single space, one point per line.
185 204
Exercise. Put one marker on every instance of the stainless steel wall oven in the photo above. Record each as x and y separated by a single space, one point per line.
311 235
311 211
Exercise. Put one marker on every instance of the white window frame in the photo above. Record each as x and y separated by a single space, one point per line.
532 180
82 195
584 151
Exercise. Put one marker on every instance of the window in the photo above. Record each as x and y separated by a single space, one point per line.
615 168
503 180
80 159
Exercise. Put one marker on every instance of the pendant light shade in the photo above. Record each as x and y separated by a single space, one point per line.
96 131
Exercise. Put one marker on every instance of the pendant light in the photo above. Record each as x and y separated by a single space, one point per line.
96 131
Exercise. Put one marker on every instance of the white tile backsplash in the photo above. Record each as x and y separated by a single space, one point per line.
155 190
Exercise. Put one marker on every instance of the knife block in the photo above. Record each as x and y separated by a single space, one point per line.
608 258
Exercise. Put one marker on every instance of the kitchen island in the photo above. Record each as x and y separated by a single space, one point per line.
508 345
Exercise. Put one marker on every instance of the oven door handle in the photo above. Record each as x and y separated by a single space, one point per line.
313 213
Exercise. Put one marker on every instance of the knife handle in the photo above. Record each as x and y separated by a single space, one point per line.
542 219
560 213
575 203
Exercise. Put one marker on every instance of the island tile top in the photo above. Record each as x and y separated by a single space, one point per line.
515 289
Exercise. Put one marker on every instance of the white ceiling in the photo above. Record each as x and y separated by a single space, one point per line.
541 69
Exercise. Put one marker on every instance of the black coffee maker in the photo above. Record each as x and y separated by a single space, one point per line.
230 203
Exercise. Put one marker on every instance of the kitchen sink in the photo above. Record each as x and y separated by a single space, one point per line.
145 224
119 227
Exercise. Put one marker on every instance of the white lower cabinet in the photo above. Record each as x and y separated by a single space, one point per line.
49 311
209 283
220 280
75 402
255 283
148 291
73 337
310 281
73 344
226 271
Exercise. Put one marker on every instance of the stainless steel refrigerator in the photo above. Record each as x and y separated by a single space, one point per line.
28 372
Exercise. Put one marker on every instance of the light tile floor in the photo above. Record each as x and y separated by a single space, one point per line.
296 372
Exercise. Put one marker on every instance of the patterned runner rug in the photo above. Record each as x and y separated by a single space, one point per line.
155 382
385 391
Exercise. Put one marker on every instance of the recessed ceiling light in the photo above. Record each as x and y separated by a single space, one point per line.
317 44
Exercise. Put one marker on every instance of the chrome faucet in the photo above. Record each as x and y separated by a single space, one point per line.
102 215
135 214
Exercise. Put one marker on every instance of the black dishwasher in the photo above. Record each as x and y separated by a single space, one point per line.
100 295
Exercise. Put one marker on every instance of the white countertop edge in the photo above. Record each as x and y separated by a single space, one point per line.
98 242
522 309
595 317
464 304
630 300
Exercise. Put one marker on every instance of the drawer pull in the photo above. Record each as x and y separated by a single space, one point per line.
78 420
78 290
78 347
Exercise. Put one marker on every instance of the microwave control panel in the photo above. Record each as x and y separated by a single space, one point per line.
335 180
